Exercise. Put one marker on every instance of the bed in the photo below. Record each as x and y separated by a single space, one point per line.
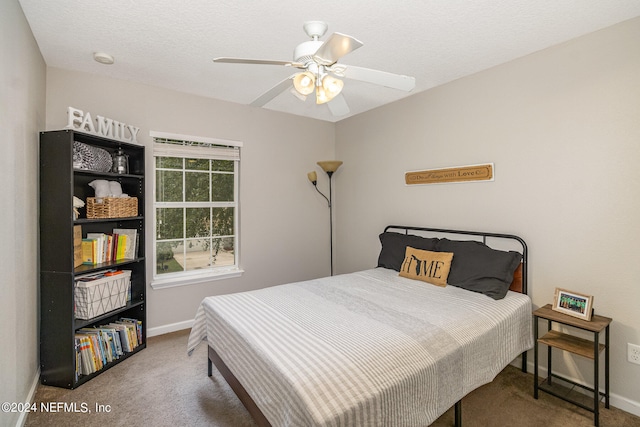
379 346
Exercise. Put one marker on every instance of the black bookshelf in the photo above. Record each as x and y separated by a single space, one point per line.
59 182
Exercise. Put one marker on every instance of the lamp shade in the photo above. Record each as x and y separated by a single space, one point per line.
304 83
321 95
332 86
328 90
330 166
313 176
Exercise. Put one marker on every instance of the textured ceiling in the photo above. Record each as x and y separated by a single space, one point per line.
171 43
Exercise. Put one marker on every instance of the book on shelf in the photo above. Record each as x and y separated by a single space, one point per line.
98 275
125 336
131 247
89 251
77 246
137 324
113 340
98 248
88 355
76 347
96 350
100 244
107 252
82 356
98 346
120 247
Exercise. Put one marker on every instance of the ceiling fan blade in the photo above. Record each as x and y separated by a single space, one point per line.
334 48
338 105
273 92
258 62
394 81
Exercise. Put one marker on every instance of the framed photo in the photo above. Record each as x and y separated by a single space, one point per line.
573 304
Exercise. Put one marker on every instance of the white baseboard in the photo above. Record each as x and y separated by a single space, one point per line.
172 327
32 393
620 402
625 404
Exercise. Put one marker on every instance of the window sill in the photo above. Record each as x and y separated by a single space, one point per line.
184 280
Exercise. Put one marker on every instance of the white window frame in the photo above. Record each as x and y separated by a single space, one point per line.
221 149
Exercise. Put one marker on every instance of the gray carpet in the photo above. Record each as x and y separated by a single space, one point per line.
162 386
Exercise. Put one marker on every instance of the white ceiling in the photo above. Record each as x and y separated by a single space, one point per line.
171 43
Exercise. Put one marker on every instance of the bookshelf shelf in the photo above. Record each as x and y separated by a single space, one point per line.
81 221
107 174
84 269
59 183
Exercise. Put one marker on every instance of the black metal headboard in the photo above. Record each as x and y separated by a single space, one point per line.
482 234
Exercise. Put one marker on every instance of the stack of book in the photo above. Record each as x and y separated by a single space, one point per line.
100 345
98 248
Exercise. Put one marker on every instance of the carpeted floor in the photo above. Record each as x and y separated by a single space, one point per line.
162 386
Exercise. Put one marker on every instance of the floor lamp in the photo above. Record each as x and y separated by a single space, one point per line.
329 166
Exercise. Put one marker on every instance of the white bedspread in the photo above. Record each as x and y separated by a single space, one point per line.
362 349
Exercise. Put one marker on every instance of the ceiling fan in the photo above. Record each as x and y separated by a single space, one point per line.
318 61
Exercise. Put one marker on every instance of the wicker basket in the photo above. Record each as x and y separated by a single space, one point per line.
112 207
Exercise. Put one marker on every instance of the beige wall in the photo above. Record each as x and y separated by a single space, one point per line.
283 221
562 127
22 91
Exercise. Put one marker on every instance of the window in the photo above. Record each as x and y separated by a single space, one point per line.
195 209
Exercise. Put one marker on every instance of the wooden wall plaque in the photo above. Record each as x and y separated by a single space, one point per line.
455 174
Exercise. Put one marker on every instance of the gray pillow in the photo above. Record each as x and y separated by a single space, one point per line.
479 268
394 246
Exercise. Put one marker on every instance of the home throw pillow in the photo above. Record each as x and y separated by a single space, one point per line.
428 266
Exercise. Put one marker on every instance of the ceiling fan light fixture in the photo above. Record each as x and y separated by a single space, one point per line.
322 96
332 85
328 90
304 83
